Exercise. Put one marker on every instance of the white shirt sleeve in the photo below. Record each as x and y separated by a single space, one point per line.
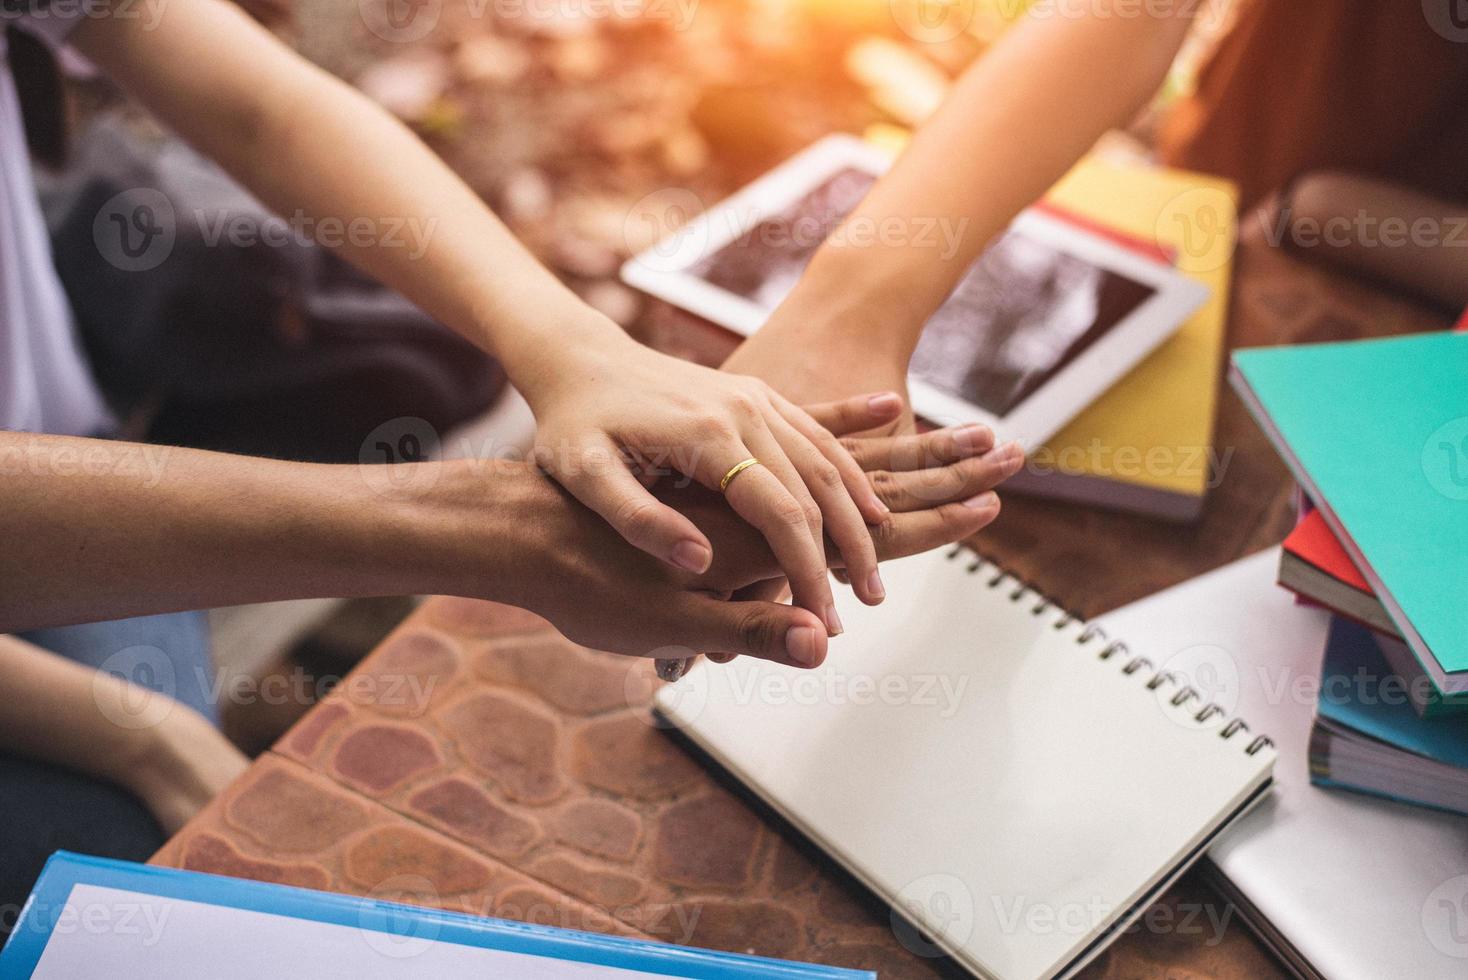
53 20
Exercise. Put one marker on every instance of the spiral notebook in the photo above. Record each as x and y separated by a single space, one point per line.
1014 783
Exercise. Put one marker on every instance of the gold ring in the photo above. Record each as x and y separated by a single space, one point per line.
734 471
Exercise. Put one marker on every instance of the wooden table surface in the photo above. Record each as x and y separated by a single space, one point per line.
478 761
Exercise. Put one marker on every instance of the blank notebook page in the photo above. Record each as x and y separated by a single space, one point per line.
969 753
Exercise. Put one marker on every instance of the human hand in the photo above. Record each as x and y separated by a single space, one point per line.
939 487
611 414
518 537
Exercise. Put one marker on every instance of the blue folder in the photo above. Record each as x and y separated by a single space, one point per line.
145 914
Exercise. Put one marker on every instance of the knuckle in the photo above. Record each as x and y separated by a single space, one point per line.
636 517
957 521
828 477
789 513
758 630
884 532
887 487
746 407
709 428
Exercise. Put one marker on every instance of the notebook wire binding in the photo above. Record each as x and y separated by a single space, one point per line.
997 577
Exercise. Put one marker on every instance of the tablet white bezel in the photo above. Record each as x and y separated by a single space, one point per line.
661 271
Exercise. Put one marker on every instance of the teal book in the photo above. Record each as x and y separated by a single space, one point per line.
1376 431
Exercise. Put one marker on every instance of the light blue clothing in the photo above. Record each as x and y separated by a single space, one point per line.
45 384
167 653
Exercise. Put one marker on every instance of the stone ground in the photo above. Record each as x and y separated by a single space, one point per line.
478 761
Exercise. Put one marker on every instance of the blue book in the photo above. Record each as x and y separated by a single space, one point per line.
92 917
1368 737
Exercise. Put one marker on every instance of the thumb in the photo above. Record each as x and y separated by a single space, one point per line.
856 414
770 631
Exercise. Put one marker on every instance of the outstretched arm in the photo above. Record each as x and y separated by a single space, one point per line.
313 148
102 530
1014 123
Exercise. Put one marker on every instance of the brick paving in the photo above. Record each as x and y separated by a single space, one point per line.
479 762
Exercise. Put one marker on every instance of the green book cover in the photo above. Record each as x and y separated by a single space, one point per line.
1376 431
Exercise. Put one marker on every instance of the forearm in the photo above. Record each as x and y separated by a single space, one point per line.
1013 125
315 150
100 530
63 713
1385 231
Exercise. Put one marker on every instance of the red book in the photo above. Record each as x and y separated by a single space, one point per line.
1316 567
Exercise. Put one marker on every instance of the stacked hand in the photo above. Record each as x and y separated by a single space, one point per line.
575 570
614 415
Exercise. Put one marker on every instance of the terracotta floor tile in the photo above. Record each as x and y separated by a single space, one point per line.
509 741
380 854
628 758
532 785
401 850
598 827
405 676
285 812
465 811
206 852
707 842
380 757
568 678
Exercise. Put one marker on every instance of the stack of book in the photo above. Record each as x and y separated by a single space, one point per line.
1376 434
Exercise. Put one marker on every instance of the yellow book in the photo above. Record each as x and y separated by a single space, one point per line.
1147 444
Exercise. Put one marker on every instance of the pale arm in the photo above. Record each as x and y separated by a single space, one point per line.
60 712
309 145
1014 123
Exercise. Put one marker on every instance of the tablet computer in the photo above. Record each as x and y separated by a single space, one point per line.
1050 315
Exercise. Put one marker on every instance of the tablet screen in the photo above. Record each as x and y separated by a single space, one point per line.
1022 313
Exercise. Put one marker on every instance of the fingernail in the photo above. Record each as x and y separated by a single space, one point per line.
885 403
880 505
692 557
833 622
984 501
671 670
875 586
802 643
973 438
